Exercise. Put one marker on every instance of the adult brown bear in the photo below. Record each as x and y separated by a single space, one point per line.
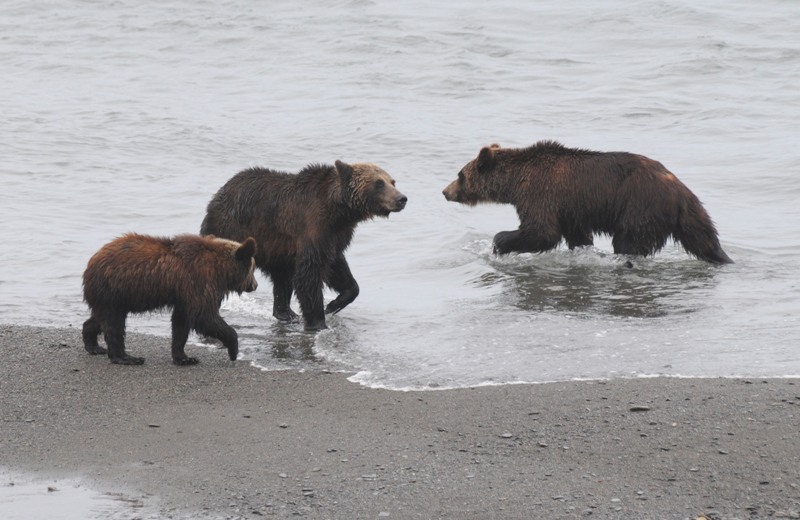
303 223
568 193
139 273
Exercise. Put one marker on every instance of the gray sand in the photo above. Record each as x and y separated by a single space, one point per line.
224 440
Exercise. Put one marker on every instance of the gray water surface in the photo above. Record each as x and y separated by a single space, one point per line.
129 116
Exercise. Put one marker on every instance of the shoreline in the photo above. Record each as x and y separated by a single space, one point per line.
227 440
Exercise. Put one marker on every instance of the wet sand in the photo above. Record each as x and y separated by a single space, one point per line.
224 440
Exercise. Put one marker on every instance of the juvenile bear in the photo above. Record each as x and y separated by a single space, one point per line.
192 274
567 193
303 222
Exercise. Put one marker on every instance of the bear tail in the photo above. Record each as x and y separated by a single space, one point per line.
697 233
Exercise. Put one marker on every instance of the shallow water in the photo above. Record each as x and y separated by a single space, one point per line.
25 499
129 117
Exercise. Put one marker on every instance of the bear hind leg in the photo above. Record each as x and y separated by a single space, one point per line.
113 326
702 242
91 331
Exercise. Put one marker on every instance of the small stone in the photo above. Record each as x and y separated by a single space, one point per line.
371 476
723 452
639 408
506 435
154 426
283 475
283 425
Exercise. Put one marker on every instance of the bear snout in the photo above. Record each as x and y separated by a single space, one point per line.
451 191
400 202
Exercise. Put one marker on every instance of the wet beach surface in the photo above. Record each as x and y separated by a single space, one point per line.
225 440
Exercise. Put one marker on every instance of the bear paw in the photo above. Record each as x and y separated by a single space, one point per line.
127 360
285 315
185 361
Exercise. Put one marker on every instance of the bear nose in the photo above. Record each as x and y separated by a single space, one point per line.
401 201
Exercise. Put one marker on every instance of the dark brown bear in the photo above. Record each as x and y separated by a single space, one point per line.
567 193
191 274
303 222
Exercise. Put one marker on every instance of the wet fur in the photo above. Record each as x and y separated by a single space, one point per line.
190 274
303 222
571 194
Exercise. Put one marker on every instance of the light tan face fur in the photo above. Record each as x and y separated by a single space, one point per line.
371 179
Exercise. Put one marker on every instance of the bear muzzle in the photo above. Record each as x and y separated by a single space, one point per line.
451 191
394 204
400 202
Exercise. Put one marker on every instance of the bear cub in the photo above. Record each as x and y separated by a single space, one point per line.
571 194
191 274
303 223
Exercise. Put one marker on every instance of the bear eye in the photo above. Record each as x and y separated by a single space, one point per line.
380 184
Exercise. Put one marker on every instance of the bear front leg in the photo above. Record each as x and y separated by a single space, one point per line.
91 330
308 287
579 239
113 326
282 293
341 280
524 241
180 333
216 327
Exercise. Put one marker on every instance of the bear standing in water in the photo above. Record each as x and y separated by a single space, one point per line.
303 223
138 273
568 193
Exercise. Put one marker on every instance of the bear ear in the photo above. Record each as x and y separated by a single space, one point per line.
345 171
486 158
247 250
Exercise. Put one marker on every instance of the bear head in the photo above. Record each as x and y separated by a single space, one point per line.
369 190
477 181
241 277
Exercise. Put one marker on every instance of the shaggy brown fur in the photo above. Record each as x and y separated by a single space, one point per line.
191 274
568 193
303 222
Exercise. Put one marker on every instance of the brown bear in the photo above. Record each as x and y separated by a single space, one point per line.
192 274
303 222
568 193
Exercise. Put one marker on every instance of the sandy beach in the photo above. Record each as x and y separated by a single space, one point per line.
225 440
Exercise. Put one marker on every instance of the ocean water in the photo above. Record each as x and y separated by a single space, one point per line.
129 116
